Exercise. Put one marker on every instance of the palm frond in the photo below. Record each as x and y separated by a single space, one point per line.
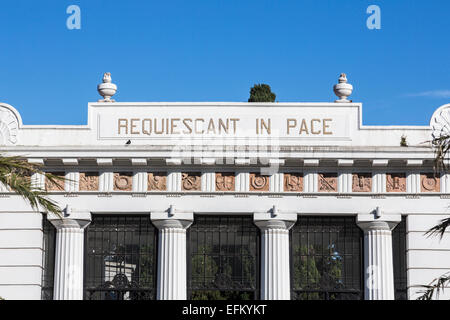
439 229
15 173
442 147
435 287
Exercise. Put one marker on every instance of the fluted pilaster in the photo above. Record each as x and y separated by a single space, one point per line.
172 273
378 260
275 273
69 253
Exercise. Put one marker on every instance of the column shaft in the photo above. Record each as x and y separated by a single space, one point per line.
68 281
275 284
378 260
172 264
275 268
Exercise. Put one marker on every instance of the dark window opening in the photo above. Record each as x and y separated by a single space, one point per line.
120 258
223 258
399 256
48 254
326 259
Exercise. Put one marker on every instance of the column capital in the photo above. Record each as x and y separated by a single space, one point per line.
274 219
369 222
172 218
71 218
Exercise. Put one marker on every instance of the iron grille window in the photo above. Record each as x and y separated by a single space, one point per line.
327 259
48 263
120 262
399 255
224 258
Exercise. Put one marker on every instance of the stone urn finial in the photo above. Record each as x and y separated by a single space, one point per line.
107 89
343 89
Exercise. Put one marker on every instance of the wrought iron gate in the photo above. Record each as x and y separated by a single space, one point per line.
120 259
223 258
326 259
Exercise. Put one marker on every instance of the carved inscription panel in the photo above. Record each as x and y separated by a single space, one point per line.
396 182
430 183
191 181
58 185
362 182
89 181
293 182
328 182
157 181
123 181
259 182
225 181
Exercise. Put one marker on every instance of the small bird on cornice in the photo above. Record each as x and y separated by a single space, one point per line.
128 143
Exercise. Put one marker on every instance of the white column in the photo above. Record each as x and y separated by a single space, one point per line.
172 272
275 273
378 261
69 253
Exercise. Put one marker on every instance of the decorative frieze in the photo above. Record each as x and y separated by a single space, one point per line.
58 184
123 181
225 181
157 181
362 182
259 182
89 181
293 182
396 182
430 183
328 182
191 181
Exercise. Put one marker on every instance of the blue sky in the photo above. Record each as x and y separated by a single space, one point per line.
215 50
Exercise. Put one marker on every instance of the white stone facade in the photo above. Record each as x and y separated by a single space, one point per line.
370 177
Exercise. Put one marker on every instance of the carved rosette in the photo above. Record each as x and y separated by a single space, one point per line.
328 182
9 127
123 181
293 182
225 181
191 181
440 124
396 182
157 181
430 183
58 185
362 182
89 181
259 182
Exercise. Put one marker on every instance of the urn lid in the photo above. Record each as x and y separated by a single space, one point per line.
343 89
107 89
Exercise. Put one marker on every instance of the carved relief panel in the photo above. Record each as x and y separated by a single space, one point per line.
259 182
396 182
328 182
89 181
293 182
362 182
58 185
430 183
191 181
157 181
225 181
123 181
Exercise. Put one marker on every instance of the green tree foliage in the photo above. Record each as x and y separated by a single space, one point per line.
261 93
316 268
206 270
15 173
